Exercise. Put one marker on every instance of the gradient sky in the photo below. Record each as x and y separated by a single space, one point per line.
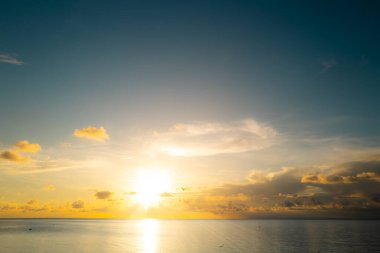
251 108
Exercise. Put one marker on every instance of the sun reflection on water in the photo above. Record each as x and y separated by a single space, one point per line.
149 229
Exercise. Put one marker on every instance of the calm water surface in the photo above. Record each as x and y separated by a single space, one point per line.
150 236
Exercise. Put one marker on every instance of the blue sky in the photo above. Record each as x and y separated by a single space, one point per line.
304 75
142 61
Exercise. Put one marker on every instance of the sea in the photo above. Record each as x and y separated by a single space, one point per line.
195 236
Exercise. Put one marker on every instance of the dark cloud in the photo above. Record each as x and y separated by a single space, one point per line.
347 190
288 203
32 202
103 194
33 206
231 207
14 156
77 204
7 207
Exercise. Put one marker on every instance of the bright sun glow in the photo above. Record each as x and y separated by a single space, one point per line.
149 185
174 151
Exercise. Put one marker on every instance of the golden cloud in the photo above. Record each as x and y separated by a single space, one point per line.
369 176
323 179
25 146
166 195
92 133
21 146
49 188
340 179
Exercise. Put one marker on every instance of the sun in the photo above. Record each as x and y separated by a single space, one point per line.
149 185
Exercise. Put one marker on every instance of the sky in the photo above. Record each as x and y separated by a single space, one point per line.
189 109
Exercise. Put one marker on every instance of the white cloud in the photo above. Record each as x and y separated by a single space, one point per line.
328 64
211 138
6 58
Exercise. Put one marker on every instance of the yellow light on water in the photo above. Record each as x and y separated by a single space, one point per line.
149 229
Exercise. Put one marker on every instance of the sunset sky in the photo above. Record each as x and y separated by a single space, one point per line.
190 109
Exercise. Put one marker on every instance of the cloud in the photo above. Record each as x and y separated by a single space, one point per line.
6 58
369 176
130 193
14 156
92 133
323 179
25 146
166 195
31 206
49 188
262 176
32 202
77 204
20 146
348 190
50 162
328 64
103 194
211 138
348 173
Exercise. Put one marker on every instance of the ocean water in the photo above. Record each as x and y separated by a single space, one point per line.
198 236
